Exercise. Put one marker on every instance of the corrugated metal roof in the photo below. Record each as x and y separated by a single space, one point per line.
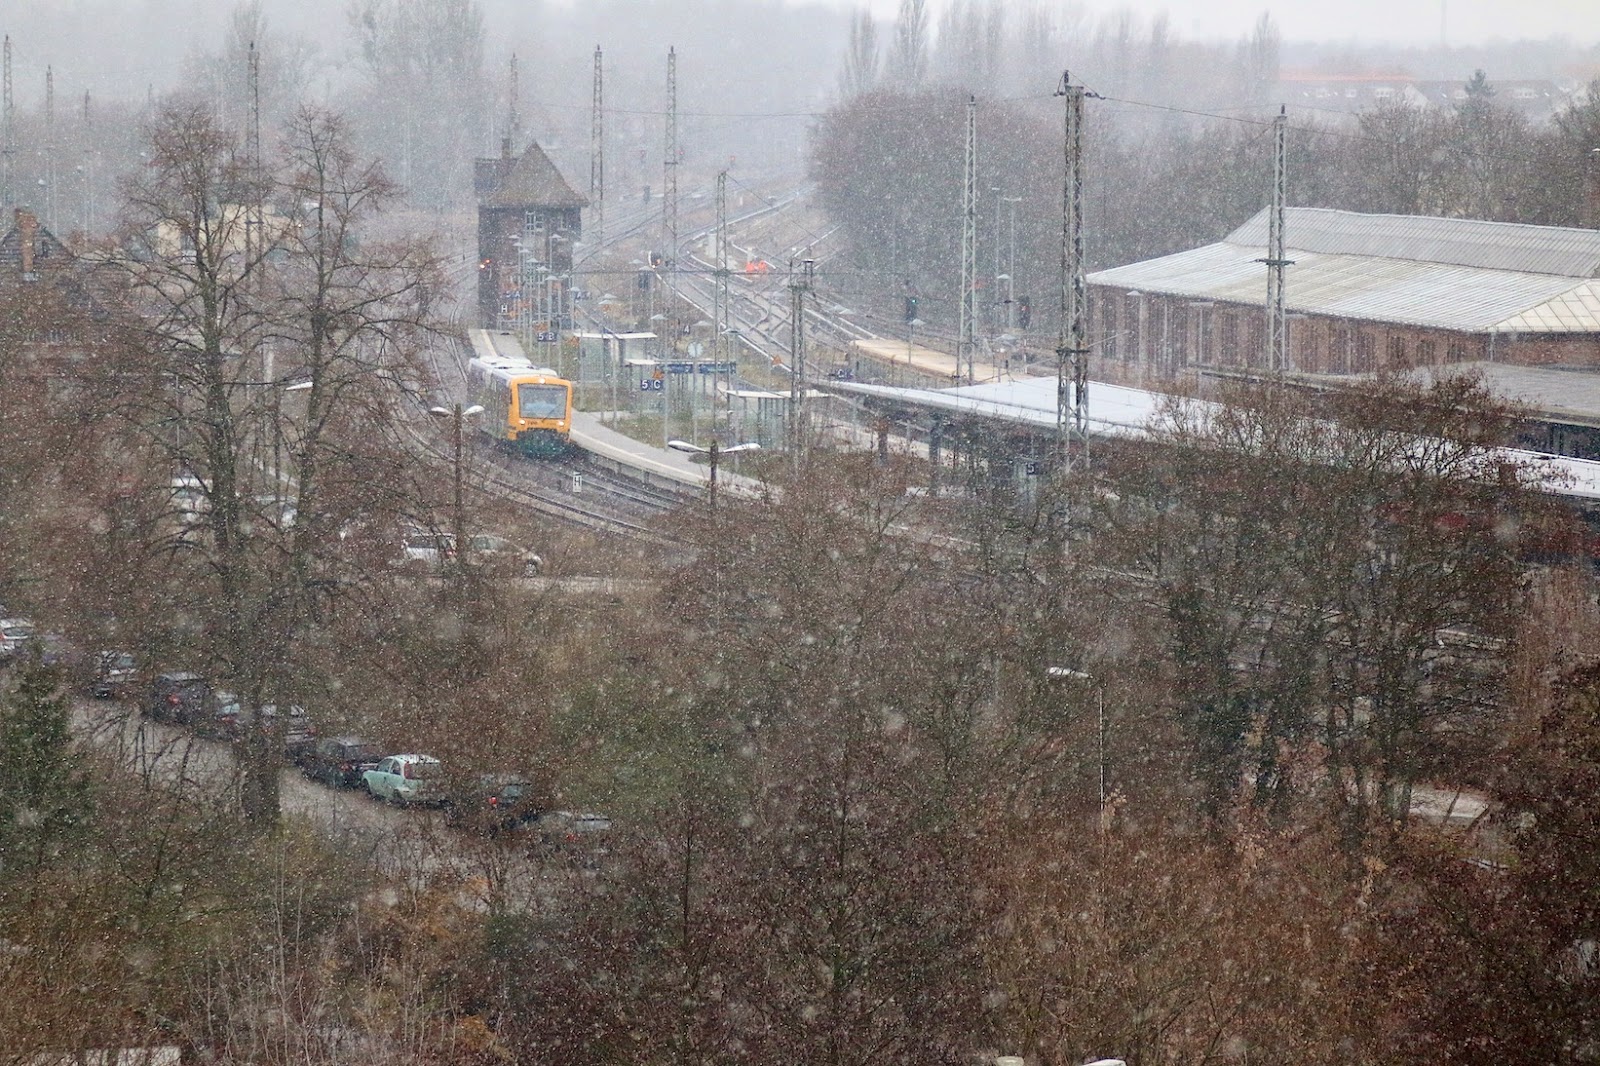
1379 289
1573 253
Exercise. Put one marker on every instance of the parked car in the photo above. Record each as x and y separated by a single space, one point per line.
405 779
15 633
582 836
489 803
423 549
230 719
299 732
116 673
496 553
177 696
339 762
219 717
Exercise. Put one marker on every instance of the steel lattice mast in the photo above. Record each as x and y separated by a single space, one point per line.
1072 352
597 149
669 197
50 146
969 243
799 284
669 164
255 245
1277 321
721 296
8 146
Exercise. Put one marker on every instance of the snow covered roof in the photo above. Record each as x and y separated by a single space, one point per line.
1119 411
1443 273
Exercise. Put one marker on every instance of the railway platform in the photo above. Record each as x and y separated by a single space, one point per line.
651 463
916 361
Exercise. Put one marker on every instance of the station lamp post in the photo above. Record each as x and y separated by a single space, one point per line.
277 435
458 415
714 452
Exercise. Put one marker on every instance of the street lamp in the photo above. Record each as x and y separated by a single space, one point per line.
1011 300
713 453
1070 674
277 432
457 414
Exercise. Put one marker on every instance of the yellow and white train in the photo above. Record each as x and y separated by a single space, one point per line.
526 406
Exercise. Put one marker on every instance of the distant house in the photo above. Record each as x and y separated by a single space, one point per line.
51 299
528 220
1364 293
29 252
1352 94
1347 93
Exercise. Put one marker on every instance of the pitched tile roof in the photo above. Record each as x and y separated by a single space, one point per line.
534 181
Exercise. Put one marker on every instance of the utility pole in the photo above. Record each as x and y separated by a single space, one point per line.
597 149
799 285
50 146
1591 196
8 146
669 194
88 169
720 296
1277 322
969 241
457 415
994 297
1072 353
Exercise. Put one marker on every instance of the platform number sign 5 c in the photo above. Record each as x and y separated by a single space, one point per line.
650 385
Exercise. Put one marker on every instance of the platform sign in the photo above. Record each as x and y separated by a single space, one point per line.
546 336
729 367
678 368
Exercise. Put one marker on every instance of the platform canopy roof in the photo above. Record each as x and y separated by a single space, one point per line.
1120 411
1439 273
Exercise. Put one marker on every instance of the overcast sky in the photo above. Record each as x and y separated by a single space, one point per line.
1396 21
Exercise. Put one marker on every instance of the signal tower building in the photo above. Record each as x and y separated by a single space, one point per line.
529 218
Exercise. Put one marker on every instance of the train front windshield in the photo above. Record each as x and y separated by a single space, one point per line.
542 401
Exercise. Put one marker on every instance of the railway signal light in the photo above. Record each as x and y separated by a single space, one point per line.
911 309
1024 311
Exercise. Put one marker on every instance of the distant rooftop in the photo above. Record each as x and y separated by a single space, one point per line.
1569 252
532 181
1445 273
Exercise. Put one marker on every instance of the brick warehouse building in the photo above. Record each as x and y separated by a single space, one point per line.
1364 293
528 221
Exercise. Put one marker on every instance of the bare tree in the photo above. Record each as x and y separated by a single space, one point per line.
1311 560
908 59
334 332
424 64
860 72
